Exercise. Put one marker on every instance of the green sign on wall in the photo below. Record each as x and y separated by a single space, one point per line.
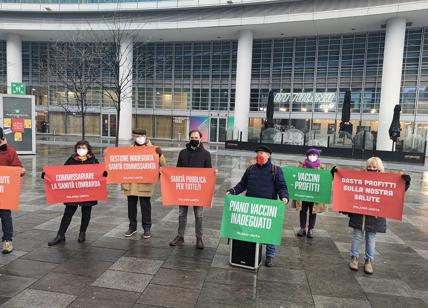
18 88
312 185
252 219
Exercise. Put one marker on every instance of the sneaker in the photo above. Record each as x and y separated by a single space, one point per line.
268 261
130 232
310 233
368 267
7 247
176 241
353 265
147 234
301 232
82 237
58 239
199 243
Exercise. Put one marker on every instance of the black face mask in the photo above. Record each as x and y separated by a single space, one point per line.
3 147
194 143
369 170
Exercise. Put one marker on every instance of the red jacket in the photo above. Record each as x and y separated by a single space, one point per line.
9 157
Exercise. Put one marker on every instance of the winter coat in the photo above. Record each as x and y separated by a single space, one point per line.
142 189
370 223
265 181
9 157
194 158
317 207
75 160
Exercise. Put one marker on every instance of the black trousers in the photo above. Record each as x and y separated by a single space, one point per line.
146 212
68 215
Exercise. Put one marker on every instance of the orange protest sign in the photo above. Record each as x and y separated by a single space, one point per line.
10 184
132 164
369 193
187 186
75 183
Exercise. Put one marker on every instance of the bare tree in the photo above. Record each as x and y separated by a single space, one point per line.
75 65
120 62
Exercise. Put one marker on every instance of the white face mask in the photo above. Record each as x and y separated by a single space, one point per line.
312 158
140 140
82 152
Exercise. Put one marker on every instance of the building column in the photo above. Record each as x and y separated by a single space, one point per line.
391 79
14 60
243 84
125 73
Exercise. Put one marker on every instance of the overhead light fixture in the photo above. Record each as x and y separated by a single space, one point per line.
47 8
229 2
373 110
304 109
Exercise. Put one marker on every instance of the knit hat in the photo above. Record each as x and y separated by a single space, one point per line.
313 151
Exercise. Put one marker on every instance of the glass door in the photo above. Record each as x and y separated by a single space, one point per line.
108 125
218 128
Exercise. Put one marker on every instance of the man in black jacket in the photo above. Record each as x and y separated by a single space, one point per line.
193 156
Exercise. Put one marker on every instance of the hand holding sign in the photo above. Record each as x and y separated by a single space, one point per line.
132 164
77 183
369 193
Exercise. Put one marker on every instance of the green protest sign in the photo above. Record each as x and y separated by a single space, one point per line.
312 185
252 219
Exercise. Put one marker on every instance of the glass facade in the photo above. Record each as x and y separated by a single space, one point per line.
173 79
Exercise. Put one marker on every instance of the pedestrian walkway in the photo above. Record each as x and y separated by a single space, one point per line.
109 270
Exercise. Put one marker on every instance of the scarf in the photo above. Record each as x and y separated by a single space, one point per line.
312 165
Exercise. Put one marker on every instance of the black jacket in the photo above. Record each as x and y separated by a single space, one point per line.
370 223
194 158
265 181
74 160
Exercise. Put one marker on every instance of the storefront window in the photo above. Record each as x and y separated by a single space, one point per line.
144 122
163 127
180 130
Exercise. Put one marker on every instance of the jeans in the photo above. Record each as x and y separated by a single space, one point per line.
68 215
270 250
304 213
146 212
182 220
6 224
357 236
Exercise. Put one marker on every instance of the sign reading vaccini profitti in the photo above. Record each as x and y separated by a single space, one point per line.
252 219
311 185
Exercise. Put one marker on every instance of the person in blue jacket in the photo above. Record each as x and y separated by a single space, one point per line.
263 180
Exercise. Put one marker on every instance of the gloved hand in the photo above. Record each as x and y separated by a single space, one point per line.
158 151
407 179
105 174
333 171
43 175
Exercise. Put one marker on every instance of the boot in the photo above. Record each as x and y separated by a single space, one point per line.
368 267
199 243
58 239
268 261
177 241
310 233
301 232
82 237
7 247
353 265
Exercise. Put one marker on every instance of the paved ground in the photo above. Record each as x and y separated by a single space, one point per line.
111 271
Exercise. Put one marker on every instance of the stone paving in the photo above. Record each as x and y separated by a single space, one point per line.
109 270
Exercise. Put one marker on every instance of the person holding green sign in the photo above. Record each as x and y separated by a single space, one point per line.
263 180
312 161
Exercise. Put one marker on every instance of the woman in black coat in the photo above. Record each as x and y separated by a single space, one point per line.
82 156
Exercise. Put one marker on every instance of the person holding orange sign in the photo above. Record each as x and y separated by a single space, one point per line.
141 191
8 157
193 156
